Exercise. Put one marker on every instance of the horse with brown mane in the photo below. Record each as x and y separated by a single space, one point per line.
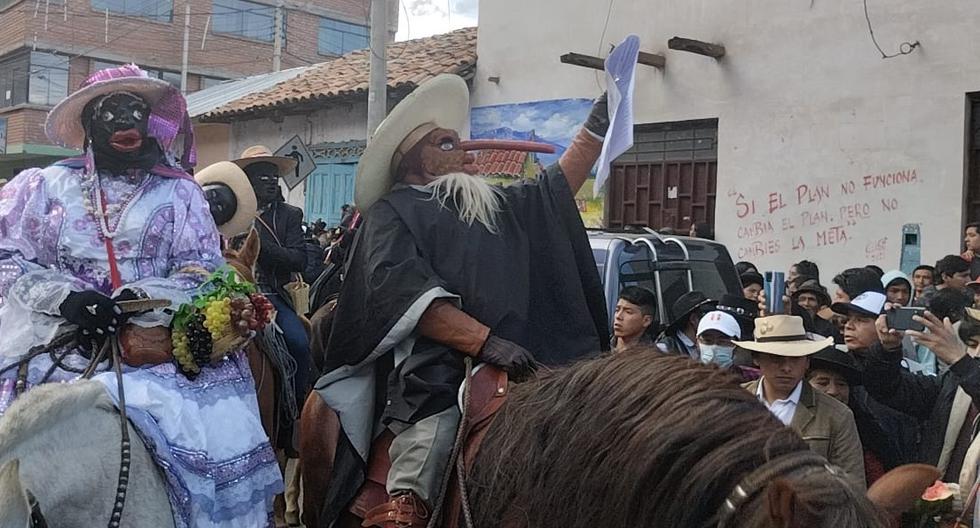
645 439
268 380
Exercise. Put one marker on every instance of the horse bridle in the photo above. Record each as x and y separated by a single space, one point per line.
796 465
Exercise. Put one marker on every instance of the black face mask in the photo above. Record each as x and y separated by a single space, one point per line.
222 202
117 126
264 178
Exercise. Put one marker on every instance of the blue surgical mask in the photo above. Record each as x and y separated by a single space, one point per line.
717 354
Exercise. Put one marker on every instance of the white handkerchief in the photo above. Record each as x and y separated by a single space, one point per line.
620 80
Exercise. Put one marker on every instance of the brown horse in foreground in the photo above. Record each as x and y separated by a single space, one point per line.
634 439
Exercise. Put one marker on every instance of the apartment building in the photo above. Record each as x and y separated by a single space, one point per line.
48 47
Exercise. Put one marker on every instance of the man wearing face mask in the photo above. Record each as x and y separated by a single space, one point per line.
716 330
125 221
282 253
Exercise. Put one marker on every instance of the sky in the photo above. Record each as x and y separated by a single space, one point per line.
430 17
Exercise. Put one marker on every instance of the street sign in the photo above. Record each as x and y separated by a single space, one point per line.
296 149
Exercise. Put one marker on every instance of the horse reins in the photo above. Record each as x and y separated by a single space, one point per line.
789 465
122 483
456 459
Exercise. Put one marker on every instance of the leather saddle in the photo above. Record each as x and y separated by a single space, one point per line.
488 391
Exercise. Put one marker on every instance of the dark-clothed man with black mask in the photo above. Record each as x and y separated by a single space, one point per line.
282 256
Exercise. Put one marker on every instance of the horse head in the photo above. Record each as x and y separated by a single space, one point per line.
644 439
243 259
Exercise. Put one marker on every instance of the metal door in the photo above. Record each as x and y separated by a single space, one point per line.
668 179
328 188
971 210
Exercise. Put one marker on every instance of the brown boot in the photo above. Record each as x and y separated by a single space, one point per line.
404 510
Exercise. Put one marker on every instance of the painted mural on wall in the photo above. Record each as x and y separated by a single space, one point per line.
554 122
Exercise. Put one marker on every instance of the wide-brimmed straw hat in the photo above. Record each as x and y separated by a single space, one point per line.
232 176
784 335
64 122
262 153
442 102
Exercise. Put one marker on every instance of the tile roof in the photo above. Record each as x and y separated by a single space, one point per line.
509 163
410 63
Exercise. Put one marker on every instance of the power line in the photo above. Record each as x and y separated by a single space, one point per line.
903 49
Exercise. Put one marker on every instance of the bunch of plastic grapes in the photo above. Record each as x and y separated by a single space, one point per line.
263 310
199 339
241 309
218 317
182 353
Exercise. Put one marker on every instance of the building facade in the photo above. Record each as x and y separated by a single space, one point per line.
48 47
801 141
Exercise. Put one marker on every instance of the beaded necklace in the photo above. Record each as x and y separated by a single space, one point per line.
95 201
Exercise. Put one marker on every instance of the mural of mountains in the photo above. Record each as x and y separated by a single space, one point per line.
520 135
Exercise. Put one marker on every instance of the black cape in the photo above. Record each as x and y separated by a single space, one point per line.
535 282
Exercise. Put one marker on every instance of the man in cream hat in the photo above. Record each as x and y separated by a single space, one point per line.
282 258
126 221
781 350
447 266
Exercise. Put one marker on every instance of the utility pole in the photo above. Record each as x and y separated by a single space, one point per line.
378 84
277 46
187 36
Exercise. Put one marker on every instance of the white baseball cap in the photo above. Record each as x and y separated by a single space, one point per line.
722 322
869 304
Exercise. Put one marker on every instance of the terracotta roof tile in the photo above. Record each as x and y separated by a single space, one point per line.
410 63
509 163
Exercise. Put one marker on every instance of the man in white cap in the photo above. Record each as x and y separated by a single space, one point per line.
447 266
716 332
781 349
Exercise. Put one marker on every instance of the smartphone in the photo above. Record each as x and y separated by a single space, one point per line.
775 289
901 319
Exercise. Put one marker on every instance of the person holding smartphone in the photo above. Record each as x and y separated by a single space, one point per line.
946 411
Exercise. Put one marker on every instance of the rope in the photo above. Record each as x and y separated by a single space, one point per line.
275 347
456 459
125 452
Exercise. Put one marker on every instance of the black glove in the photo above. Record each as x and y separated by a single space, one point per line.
598 121
511 357
96 315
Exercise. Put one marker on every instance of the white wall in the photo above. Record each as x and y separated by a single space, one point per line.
336 123
802 98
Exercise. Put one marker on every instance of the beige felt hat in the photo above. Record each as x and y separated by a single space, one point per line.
784 335
442 102
231 175
261 153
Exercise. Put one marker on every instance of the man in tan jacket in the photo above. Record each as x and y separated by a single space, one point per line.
781 350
